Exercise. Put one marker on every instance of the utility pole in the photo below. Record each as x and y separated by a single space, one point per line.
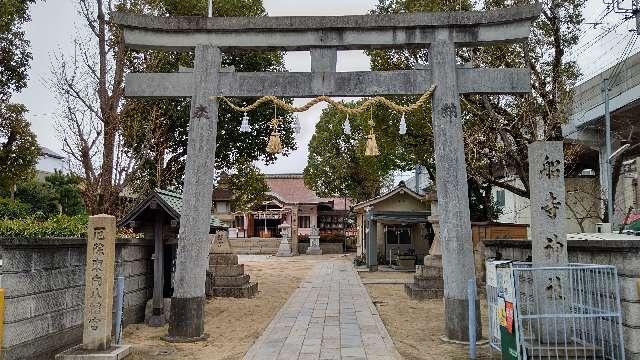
607 134
210 8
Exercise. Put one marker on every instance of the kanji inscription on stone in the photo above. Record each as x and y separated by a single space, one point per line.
552 205
550 168
99 279
553 247
201 112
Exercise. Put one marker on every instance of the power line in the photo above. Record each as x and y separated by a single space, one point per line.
625 55
596 64
581 48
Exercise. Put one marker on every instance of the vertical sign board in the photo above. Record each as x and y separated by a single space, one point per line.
506 317
98 292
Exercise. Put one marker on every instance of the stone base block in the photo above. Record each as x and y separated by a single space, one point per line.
284 254
433 261
227 281
223 259
430 272
314 251
116 352
227 270
417 293
246 291
428 282
155 320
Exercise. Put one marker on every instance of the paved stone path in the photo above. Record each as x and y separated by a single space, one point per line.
330 316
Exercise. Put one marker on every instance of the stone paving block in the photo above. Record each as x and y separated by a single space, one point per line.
312 342
330 354
309 356
330 343
352 352
310 349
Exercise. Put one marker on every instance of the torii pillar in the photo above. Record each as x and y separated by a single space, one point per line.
192 258
451 181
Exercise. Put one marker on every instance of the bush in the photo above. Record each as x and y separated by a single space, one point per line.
13 209
359 261
303 239
57 226
39 196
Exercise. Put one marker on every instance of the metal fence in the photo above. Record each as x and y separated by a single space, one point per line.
568 312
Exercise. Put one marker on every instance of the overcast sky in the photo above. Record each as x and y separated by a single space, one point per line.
54 24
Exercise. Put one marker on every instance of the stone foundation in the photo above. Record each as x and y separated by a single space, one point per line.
116 352
427 282
226 278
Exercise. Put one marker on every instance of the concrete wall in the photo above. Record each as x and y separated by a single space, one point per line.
624 254
43 280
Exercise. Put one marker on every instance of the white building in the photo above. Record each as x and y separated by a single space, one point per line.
48 162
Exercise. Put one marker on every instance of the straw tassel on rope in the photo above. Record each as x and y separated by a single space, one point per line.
372 145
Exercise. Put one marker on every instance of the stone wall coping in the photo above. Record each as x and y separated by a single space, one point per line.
585 245
38 242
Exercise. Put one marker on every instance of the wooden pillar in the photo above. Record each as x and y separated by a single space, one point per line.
187 305
372 243
451 180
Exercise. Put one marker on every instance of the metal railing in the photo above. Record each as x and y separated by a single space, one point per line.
570 312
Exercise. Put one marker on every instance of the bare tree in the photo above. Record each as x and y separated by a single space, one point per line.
584 203
89 88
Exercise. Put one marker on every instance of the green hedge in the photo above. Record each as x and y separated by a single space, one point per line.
57 226
13 209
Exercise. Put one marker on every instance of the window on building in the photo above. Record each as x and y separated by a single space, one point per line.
500 198
238 222
304 222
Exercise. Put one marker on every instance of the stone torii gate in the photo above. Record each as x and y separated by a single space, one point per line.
442 33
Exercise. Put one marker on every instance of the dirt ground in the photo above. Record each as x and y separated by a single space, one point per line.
233 325
416 326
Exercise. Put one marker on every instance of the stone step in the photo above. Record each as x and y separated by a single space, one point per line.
431 272
227 281
246 291
227 270
428 283
223 259
423 294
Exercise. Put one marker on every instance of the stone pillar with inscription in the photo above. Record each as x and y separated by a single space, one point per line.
548 233
546 181
98 294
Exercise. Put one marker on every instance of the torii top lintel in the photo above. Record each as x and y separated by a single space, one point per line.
407 30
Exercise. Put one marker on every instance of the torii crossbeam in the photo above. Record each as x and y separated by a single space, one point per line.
442 33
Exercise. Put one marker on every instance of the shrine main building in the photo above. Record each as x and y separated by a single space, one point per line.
290 201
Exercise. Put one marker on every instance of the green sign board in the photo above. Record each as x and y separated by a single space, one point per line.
508 343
